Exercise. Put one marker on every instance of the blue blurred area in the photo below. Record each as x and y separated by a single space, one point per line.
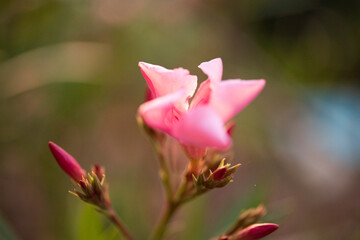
335 117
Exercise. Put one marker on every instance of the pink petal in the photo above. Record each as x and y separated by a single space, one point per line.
201 127
148 95
202 95
213 68
162 81
231 96
160 113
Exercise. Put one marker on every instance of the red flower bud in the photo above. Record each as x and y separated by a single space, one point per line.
83 185
67 162
256 231
219 174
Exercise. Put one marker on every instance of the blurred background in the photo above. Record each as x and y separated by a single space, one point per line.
68 73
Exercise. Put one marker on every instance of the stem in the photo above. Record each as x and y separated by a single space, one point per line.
191 197
114 218
164 170
164 220
171 207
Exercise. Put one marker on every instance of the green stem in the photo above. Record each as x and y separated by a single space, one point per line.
164 220
164 170
191 197
114 218
170 209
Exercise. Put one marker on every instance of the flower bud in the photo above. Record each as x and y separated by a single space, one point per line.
247 218
98 171
219 174
67 162
83 185
255 231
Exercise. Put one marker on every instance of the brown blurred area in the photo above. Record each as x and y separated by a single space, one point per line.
68 73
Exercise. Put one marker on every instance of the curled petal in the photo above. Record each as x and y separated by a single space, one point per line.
231 96
162 81
213 68
160 113
201 127
202 95
148 95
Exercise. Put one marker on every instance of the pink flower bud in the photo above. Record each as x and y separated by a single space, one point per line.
256 231
70 166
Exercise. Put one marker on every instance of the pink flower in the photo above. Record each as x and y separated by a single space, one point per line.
200 123
256 231
67 162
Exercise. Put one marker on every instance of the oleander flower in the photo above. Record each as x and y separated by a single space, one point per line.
200 123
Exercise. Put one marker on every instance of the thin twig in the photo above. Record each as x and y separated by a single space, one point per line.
114 218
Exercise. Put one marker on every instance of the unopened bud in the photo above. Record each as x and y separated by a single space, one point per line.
98 171
219 174
255 231
83 185
247 218
67 162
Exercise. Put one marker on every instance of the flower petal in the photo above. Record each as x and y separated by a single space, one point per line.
201 127
162 81
202 95
231 96
213 68
160 113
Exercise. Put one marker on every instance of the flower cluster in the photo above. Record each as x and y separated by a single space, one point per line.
201 123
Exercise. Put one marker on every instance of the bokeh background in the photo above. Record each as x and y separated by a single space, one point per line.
68 73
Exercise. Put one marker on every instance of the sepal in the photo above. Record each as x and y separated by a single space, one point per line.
221 176
93 190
